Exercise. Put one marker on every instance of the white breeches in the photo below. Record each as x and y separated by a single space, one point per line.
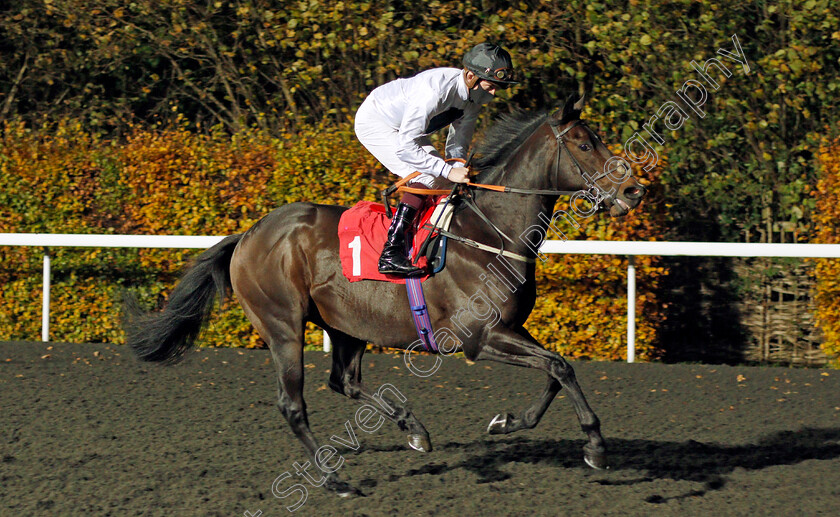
382 140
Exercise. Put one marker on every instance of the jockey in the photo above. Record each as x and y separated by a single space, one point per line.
395 121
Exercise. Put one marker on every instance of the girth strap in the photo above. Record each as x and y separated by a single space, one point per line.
422 322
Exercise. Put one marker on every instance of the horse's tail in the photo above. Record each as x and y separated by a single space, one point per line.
164 336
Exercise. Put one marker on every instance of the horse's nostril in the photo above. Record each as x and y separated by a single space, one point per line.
634 192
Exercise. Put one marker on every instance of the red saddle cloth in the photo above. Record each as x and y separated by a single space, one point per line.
362 232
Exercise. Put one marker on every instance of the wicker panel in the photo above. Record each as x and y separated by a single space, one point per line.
777 310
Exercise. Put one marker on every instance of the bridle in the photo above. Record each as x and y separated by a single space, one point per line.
600 199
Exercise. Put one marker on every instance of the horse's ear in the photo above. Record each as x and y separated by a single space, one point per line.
579 103
571 109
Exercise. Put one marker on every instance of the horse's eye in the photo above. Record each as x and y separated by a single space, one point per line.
585 147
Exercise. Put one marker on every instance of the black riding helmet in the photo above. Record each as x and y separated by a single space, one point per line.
491 63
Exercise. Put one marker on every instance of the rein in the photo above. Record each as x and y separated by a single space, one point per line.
399 186
483 186
468 187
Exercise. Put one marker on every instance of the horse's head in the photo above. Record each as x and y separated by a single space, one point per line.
584 163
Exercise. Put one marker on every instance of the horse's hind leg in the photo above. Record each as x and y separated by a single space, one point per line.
519 348
346 378
529 417
285 338
288 359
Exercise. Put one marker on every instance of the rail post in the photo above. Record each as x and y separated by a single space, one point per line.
631 309
45 307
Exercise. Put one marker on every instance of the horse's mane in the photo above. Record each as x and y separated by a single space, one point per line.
508 133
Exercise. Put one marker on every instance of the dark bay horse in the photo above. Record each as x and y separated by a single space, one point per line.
285 272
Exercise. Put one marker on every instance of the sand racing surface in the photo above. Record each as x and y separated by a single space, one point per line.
88 430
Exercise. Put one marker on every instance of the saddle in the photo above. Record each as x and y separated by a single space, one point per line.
363 229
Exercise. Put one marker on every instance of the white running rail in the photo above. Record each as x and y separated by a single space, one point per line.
628 248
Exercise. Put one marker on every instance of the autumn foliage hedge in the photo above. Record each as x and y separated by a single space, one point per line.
172 180
828 231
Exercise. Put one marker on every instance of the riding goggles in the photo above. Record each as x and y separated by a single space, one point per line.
502 74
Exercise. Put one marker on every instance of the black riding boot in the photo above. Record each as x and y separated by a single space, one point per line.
393 260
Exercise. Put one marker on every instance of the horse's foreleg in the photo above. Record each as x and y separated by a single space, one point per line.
520 349
346 378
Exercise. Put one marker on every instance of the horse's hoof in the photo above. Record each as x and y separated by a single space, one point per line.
597 459
342 489
350 492
500 424
421 443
